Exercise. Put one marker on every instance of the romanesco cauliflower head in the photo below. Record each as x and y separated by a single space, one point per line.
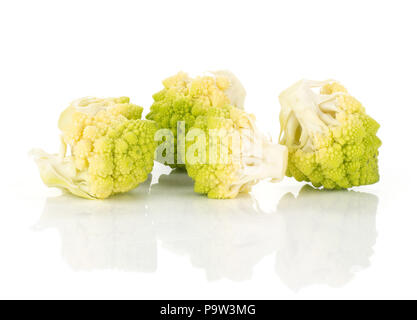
332 141
112 150
227 154
184 98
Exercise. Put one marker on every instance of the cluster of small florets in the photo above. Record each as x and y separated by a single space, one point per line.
112 150
215 178
346 154
183 99
228 163
326 139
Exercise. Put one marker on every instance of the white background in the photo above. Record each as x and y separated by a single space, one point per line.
169 242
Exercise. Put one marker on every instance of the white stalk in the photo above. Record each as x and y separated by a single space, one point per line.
261 159
306 112
58 171
236 92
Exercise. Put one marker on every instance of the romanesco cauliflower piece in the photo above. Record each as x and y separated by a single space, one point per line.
332 142
112 150
183 99
227 154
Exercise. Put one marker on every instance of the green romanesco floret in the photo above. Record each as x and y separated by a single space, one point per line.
183 99
332 142
227 154
112 150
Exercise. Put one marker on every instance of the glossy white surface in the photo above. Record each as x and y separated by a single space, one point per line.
318 237
163 240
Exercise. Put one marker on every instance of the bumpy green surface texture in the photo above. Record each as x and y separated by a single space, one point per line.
112 150
184 99
344 156
217 180
121 158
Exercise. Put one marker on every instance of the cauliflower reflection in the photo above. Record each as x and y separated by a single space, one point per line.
328 236
226 238
112 234
318 237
